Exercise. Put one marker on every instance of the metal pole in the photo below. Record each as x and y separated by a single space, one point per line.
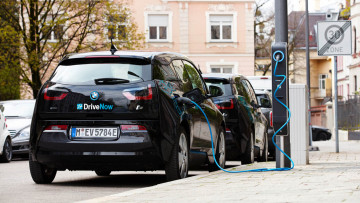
281 35
308 65
335 102
311 148
281 21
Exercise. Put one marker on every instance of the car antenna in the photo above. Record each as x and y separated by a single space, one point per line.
113 48
198 67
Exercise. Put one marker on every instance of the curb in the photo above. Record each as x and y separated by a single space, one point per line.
114 197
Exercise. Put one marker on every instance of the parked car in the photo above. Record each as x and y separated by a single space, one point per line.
320 133
246 125
263 83
5 139
109 111
265 101
18 114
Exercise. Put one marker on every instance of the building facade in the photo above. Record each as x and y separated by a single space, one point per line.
217 35
354 67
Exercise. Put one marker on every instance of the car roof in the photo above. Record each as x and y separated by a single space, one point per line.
126 54
227 76
18 101
260 92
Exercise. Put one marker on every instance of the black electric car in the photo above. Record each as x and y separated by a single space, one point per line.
109 111
246 125
264 100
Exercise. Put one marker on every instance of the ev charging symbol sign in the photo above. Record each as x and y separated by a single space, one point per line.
334 38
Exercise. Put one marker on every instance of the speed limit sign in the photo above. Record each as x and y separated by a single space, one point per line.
334 38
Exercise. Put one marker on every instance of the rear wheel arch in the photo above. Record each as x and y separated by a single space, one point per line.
186 127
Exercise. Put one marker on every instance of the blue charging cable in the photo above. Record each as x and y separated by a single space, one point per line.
273 140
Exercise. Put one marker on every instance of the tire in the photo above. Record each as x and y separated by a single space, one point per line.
178 165
220 153
248 157
7 152
264 155
102 172
40 173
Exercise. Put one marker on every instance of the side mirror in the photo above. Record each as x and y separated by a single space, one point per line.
215 91
265 103
195 95
254 105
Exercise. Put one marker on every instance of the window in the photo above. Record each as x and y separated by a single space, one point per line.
181 72
261 66
221 27
322 79
86 74
355 40
340 63
221 68
163 72
53 33
116 27
340 90
158 27
355 83
194 76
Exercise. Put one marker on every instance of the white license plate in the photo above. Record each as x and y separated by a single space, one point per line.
83 132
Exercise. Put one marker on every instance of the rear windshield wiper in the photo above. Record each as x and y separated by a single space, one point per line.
136 75
109 81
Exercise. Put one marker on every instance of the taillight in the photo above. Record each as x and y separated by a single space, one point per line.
139 94
271 119
133 128
226 107
56 127
60 97
264 78
228 130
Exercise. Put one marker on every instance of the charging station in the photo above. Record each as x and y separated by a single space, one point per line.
279 64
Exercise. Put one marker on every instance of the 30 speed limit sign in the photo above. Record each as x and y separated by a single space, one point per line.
334 38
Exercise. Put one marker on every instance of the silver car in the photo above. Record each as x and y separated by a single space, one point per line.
5 139
18 114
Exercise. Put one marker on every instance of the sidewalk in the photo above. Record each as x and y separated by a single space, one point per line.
330 177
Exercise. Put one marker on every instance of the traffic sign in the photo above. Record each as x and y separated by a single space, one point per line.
334 38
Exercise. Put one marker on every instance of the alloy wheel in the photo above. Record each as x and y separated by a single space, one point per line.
8 150
222 150
183 156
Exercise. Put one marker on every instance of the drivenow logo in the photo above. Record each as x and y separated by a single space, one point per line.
94 96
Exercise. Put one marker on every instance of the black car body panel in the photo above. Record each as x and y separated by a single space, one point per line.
266 111
241 117
144 100
320 133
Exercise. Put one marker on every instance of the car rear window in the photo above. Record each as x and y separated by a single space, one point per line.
87 73
19 109
223 84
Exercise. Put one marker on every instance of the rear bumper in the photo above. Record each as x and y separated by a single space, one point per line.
130 151
114 161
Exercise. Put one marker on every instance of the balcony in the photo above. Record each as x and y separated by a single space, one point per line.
321 94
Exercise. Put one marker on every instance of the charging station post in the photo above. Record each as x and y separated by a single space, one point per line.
280 113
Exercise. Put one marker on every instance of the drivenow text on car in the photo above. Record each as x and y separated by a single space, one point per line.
334 38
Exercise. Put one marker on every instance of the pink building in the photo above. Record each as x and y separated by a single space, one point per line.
216 35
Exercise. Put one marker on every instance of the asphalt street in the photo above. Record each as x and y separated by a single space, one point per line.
16 184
